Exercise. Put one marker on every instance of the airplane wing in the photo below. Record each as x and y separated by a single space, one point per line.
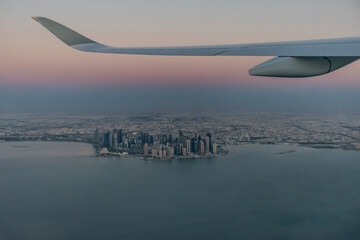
293 59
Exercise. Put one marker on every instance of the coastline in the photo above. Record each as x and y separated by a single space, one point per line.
224 152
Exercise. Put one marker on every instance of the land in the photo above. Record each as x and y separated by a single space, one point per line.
311 130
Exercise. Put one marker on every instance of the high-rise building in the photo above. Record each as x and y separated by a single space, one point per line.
170 151
96 136
156 145
164 153
119 136
125 144
112 138
207 144
177 149
188 146
146 149
182 140
164 139
210 141
107 139
195 145
145 137
181 149
214 148
202 147
153 152
114 141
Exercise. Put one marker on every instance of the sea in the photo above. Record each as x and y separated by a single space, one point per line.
61 190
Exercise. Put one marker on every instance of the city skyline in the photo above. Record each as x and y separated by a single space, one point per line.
107 146
155 145
315 130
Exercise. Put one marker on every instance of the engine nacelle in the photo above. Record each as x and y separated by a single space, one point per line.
296 67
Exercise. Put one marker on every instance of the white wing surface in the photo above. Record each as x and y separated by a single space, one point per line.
329 54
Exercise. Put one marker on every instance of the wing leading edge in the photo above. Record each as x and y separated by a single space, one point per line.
339 52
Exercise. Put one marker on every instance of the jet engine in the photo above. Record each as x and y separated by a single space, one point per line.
299 67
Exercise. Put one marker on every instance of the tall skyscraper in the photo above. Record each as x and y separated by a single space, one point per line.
153 152
210 141
214 148
107 139
188 146
114 141
184 152
119 136
195 146
125 144
181 149
96 136
164 153
146 149
156 145
207 144
202 147
170 151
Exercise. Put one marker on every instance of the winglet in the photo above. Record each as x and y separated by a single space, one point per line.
65 34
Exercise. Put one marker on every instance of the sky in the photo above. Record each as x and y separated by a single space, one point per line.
135 100
33 59
30 55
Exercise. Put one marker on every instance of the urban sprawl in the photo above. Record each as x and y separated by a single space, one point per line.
157 146
165 136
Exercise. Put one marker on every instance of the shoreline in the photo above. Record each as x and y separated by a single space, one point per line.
226 151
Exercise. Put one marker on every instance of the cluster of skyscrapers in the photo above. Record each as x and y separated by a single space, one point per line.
156 145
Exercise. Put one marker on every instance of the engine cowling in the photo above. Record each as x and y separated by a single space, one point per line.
299 67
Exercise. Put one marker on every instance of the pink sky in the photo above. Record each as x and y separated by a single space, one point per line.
30 55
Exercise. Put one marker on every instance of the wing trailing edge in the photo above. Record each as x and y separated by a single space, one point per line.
295 59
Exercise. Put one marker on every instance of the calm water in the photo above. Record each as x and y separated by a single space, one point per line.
61 191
